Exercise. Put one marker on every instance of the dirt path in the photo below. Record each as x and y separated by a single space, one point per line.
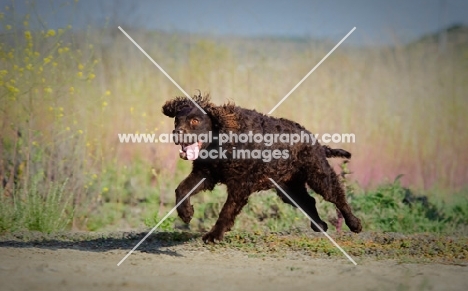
71 266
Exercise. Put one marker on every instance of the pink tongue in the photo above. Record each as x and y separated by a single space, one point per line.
192 151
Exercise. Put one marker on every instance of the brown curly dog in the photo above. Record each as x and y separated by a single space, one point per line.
246 166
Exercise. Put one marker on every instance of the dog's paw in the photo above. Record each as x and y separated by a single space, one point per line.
213 236
323 225
185 213
354 224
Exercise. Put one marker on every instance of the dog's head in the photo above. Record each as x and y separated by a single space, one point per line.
190 124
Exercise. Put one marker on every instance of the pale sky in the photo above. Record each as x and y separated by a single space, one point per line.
376 21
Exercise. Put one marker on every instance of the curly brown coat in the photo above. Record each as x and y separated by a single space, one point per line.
304 164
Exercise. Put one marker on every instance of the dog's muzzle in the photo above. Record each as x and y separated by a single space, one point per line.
187 151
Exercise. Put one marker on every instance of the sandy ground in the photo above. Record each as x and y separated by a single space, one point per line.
29 267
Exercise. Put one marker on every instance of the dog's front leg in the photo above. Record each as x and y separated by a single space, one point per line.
185 210
236 200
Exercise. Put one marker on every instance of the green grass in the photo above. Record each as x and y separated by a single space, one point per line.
37 208
381 209
384 209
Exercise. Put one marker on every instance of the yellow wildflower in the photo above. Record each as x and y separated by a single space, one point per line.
50 32
104 104
79 74
48 90
108 93
27 35
91 76
8 27
12 89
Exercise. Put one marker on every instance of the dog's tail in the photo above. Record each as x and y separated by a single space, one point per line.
336 153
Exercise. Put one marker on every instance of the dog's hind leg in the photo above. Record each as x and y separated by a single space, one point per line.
324 181
298 192
236 200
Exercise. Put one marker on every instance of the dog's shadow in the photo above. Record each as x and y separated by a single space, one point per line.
156 243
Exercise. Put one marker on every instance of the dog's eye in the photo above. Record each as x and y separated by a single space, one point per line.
194 121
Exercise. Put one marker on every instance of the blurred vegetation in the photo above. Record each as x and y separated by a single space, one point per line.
393 208
66 93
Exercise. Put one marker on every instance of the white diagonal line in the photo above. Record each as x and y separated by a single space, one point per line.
161 69
311 71
318 226
159 223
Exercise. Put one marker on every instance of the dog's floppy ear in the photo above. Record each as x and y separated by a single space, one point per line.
172 107
225 116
